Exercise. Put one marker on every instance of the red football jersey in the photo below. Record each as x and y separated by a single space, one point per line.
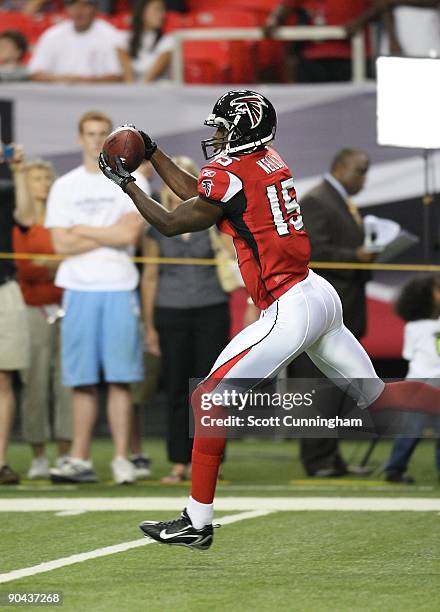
262 215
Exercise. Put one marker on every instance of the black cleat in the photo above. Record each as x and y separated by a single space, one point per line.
179 532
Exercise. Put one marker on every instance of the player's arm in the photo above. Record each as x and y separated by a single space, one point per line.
178 180
66 242
193 215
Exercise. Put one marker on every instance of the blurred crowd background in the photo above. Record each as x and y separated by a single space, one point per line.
105 40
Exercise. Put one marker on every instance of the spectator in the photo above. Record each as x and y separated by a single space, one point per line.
98 226
149 49
14 333
419 306
142 392
32 184
336 234
13 47
30 7
82 49
323 60
183 305
409 27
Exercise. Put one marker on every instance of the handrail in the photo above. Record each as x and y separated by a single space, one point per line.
283 33
193 261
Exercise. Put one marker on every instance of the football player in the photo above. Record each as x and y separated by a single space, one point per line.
248 191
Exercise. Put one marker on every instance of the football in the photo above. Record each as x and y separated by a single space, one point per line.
126 143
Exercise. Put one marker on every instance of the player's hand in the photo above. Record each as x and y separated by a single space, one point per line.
150 145
119 175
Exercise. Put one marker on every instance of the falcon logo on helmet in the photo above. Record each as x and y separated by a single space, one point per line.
253 106
245 121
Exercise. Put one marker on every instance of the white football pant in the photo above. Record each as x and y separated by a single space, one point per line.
308 317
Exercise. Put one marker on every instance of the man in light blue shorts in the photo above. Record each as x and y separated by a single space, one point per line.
97 226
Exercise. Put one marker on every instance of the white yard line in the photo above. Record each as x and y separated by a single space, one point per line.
223 504
49 566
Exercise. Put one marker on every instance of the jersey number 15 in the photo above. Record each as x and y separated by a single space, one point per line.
292 216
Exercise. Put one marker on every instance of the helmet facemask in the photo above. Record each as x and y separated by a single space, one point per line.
221 145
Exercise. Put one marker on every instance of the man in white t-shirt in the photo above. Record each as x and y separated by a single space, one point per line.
97 225
82 49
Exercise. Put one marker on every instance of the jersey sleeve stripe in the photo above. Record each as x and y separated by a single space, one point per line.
235 185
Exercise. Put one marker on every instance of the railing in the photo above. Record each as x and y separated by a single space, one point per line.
284 33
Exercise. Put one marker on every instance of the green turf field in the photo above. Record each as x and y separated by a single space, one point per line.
267 560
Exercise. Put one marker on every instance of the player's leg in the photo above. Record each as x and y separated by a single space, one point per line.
341 357
284 330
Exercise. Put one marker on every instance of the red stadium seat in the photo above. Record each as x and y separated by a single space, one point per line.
122 21
16 21
222 18
264 6
219 61
176 21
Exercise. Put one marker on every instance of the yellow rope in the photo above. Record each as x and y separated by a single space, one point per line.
321 265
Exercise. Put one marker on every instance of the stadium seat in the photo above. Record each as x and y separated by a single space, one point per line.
219 61
264 6
122 21
16 21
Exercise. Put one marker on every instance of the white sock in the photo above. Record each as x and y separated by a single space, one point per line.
200 514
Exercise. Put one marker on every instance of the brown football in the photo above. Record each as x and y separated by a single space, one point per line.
128 144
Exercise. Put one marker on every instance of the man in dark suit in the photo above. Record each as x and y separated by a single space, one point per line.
336 234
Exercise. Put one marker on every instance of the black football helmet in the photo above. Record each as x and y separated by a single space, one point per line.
250 121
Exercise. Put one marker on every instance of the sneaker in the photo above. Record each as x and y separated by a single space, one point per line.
359 470
39 469
123 471
142 466
179 532
176 476
74 470
61 460
8 476
399 477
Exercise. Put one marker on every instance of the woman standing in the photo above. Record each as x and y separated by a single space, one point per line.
32 183
186 321
148 54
